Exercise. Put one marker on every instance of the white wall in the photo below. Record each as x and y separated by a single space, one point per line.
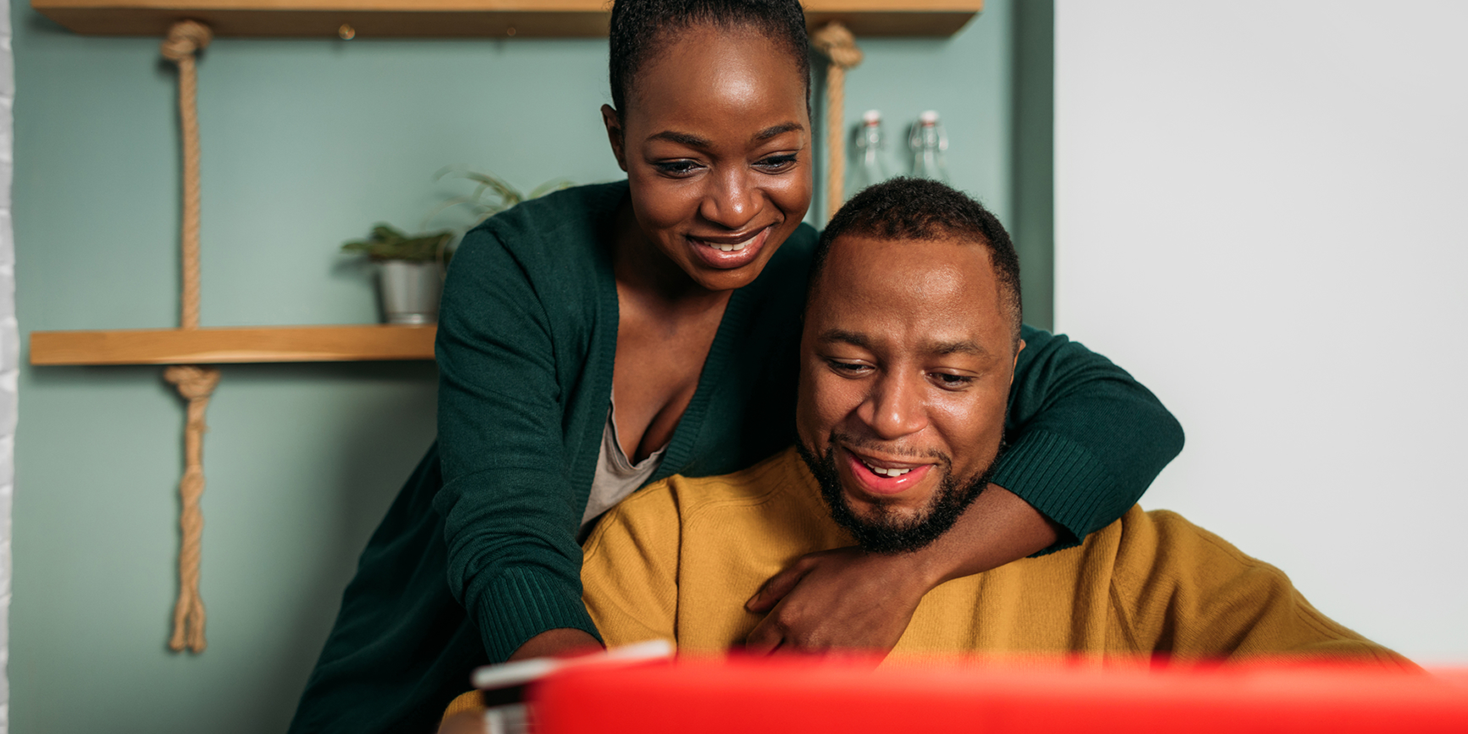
1260 212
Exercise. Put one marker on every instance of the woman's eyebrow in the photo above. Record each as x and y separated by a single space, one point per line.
694 141
780 129
688 139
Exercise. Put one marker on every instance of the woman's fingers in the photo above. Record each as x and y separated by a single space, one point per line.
766 638
842 599
775 589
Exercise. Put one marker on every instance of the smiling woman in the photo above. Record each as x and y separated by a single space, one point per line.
609 336
719 177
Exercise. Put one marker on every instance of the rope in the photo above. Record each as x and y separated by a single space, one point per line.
195 384
185 39
836 43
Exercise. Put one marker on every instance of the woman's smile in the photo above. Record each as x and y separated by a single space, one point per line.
730 251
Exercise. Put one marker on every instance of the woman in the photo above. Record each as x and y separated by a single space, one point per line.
612 335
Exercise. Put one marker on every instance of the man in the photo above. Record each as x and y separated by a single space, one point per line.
910 340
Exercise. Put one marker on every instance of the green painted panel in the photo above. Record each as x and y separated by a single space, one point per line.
306 143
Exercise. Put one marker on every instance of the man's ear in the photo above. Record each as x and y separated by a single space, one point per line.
1015 366
615 135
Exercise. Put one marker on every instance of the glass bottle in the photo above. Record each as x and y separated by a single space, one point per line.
928 142
868 167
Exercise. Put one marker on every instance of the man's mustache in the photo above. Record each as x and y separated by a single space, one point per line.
887 448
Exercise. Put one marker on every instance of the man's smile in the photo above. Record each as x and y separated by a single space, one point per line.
882 476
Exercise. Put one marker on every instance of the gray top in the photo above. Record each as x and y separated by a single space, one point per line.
616 475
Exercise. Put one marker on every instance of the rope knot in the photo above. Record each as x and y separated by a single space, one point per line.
185 38
836 43
192 382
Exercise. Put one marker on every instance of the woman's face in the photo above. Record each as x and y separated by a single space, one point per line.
716 146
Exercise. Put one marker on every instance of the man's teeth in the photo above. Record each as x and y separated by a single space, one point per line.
879 471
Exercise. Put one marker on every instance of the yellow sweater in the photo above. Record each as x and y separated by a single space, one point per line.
678 560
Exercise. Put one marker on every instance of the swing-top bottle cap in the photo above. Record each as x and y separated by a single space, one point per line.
871 117
929 117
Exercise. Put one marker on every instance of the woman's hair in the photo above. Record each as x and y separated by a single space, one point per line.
643 28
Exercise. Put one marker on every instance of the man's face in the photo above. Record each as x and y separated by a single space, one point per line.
906 363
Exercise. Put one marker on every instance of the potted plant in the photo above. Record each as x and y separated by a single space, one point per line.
410 275
491 195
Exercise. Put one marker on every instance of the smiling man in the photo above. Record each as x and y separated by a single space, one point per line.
911 335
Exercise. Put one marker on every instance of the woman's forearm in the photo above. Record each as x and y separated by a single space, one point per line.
557 643
1085 439
999 527
849 598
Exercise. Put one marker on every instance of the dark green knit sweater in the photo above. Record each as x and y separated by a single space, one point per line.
479 552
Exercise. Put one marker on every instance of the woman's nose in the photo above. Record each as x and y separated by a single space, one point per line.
730 201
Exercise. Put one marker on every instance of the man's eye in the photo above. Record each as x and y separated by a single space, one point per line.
676 168
847 368
952 382
777 163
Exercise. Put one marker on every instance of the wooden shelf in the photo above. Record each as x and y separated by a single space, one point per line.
456 18
233 345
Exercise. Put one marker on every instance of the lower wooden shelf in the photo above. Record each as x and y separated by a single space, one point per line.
233 345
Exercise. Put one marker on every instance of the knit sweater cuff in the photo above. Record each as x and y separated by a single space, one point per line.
1061 479
522 603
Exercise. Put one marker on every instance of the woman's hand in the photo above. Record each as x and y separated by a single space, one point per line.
848 598
838 599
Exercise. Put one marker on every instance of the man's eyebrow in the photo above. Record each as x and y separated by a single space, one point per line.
688 139
775 130
963 346
850 337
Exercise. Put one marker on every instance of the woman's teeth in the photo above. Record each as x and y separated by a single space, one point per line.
879 471
736 247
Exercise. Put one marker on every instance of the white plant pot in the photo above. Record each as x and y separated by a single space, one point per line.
410 291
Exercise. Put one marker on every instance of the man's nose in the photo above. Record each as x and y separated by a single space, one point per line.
894 408
730 201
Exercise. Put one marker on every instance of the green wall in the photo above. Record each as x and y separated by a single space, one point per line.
305 143
1032 218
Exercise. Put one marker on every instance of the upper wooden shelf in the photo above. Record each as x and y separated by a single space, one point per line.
233 345
456 18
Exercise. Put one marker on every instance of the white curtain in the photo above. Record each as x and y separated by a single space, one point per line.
9 353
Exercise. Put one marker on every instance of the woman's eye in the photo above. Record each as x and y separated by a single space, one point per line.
777 163
676 168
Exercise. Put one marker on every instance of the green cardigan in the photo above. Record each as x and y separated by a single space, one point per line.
526 342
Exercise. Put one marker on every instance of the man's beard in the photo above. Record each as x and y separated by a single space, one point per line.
888 532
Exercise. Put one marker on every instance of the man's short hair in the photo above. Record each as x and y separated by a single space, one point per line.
921 209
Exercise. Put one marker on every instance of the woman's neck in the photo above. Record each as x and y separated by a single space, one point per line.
644 273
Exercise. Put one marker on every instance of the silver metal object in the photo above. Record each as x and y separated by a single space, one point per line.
410 291
518 717
511 719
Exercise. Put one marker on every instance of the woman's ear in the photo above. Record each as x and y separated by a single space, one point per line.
615 135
